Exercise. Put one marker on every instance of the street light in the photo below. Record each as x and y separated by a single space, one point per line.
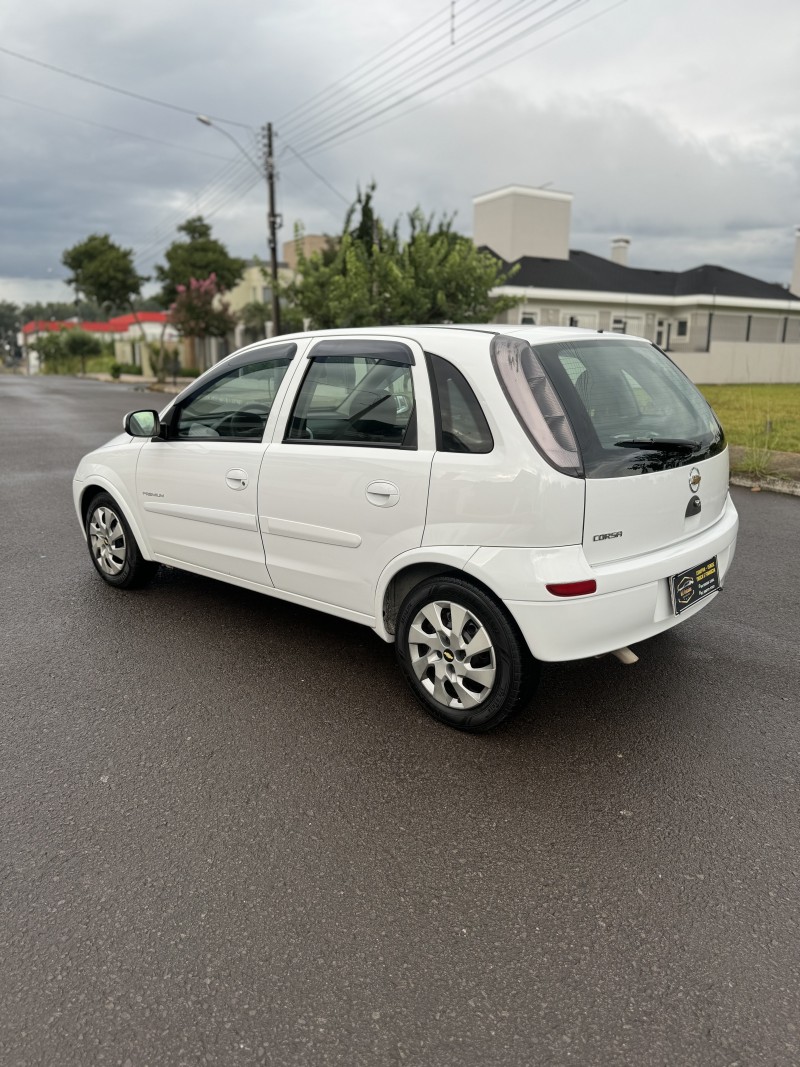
268 173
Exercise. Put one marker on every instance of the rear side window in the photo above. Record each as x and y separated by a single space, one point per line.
631 409
355 400
461 425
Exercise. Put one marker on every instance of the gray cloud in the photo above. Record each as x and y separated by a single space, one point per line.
669 136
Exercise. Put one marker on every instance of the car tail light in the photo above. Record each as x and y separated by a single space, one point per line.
536 403
573 588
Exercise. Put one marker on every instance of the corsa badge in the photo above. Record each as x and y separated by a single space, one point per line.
694 480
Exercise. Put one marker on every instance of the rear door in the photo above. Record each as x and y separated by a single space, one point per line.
343 487
654 456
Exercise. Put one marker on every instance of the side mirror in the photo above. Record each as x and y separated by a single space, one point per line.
142 424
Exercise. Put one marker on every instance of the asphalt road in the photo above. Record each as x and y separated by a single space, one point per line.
229 836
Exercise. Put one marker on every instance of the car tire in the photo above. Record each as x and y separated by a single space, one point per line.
113 548
436 624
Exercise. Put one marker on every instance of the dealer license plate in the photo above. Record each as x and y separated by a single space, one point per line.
690 586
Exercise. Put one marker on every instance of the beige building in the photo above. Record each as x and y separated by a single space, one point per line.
704 310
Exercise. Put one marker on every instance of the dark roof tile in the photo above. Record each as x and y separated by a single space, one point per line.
585 271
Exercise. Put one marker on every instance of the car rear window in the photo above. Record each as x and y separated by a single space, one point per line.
631 409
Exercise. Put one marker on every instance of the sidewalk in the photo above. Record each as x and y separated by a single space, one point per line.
783 471
146 384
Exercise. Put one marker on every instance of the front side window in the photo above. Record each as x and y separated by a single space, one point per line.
355 400
235 406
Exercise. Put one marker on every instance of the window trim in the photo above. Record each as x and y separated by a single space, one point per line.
389 350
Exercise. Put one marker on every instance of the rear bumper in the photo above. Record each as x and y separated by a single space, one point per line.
632 601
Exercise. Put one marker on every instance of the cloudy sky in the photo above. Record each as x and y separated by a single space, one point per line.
675 122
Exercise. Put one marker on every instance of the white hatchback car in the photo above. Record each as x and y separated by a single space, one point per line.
485 497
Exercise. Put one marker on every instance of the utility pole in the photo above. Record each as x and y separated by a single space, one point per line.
266 170
273 221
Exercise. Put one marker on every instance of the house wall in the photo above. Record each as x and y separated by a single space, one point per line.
732 362
518 222
762 328
253 287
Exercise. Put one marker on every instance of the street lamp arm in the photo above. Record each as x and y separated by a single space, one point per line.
206 121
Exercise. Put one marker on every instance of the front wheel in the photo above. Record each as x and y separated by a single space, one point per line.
462 656
112 546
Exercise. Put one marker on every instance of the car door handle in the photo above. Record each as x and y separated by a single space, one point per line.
236 479
383 494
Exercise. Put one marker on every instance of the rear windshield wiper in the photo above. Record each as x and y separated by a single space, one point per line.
661 444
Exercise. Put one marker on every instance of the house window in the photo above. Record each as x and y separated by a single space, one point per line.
622 322
587 320
682 328
528 318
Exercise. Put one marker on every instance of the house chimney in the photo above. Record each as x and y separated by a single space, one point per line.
794 285
619 250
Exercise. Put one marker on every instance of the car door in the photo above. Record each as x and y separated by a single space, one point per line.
197 489
343 487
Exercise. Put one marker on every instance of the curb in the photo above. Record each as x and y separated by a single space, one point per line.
772 485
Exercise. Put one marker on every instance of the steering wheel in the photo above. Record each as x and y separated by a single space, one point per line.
245 428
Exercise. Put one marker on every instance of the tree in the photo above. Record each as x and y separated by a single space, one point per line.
371 276
60 311
197 257
60 351
104 272
10 320
81 345
198 310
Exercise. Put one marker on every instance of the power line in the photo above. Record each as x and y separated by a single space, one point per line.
112 129
367 109
395 71
205 202
370 113
114 88
245 185
316 173
481 74
366 65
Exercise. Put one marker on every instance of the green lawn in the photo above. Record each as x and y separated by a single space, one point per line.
745 411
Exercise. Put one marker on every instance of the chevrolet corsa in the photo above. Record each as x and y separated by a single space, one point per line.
487 498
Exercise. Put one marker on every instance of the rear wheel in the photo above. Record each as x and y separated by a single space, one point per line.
112 546
463 657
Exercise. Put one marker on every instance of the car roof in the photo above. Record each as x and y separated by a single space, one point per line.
426 335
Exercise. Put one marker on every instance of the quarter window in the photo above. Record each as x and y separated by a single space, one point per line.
461 425
355 400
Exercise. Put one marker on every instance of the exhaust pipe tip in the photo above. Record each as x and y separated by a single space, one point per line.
624 655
